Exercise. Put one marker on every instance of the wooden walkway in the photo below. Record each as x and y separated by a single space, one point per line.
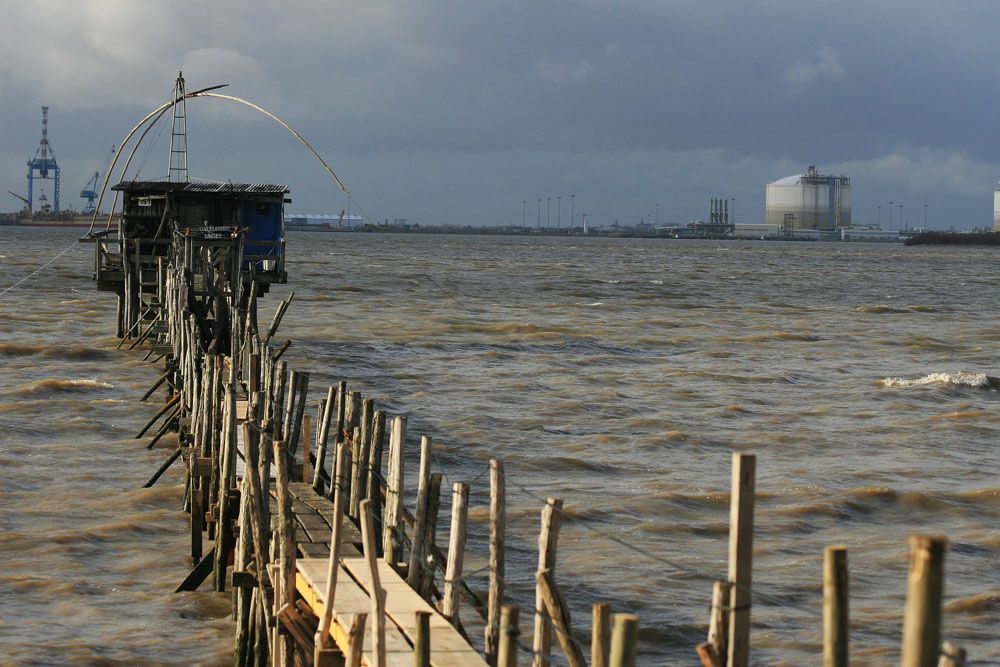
312 515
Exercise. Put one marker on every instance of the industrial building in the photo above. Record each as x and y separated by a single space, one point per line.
809 201
996 208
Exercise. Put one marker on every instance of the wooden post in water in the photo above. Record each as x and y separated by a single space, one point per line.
456 550
306 446
600 637
498 530
558 614
741 557
355 641
433 505
624 640
417 546
951 655
509 632
713 651
321 440
422 641
835 608
333 565
374 477
375 590
924 591
548 539
392 543
284 587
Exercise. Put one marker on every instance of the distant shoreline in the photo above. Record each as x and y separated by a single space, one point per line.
954 238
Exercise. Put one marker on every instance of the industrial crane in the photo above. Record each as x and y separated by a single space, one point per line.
27 202
89 191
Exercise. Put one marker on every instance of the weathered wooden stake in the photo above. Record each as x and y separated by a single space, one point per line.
392 542
548 539
600 638
558 614
741 557
333 565
924 591
624 640
713 652
306 447
422 641
509 632
433 505
835 607
356 640
498 530
951 655
418 559
456 550
375 590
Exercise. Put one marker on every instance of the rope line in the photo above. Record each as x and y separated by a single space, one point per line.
22 280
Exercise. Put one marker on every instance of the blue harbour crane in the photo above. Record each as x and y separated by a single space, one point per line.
44 164
89 191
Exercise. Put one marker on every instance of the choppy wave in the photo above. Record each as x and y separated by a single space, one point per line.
56 385
961 378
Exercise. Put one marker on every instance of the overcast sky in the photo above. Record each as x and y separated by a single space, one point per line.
457 111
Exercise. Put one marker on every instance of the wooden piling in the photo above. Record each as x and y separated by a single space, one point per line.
509 633
392 542
741 557
951 655
333 565
558 613
418 552
835 607
433 505
422 640
924 591
306 448
322 438
548 539
375 590
600 635
498 530
356 640
624 640
456 550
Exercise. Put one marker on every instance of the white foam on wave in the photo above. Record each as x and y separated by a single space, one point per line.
961 378
656 282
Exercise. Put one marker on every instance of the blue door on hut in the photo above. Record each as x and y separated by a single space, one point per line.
264 220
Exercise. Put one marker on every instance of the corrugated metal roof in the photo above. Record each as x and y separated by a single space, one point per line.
209 187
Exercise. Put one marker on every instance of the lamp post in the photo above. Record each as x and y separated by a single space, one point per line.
524 212
657 214
572 210
548 212
558 212
733 219
878 216
925 217
901 226
538 221
890 215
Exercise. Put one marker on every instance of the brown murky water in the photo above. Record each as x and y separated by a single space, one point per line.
616 374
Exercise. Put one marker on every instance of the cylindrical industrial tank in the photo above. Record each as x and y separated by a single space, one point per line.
996 209
813 201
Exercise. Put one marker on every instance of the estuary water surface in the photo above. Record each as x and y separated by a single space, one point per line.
616 374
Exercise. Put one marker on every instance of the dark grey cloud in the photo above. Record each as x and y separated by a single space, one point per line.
456 111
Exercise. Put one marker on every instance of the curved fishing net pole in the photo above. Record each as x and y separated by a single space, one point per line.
155 116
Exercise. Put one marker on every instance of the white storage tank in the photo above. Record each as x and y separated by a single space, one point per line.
809 201
996 209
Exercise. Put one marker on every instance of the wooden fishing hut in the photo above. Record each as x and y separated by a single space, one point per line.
208 224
